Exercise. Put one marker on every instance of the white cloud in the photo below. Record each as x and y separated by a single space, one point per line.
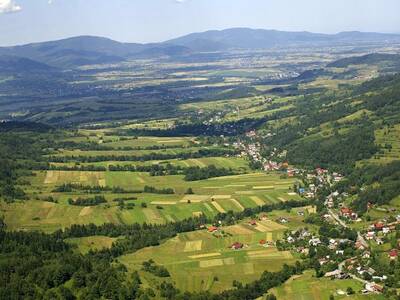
9 6
180 1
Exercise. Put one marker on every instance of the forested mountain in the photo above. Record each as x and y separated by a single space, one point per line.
245 38
18 65
373 58
86 50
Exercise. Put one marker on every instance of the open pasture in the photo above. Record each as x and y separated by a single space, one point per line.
308 287
389 139
85 244
147 141
211 196
235 163
194 259
95 153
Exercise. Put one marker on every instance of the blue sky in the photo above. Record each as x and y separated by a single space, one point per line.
23 21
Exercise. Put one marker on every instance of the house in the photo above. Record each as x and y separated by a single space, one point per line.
305 251
283 220
366 254
253 223
359 245
330 203
386 230
304 234
379 241
379 226
290 172
212 229
393 254
327 216
314 241
237 246
345 212
373 287
262 242
290 240
339 252
379 278
323 261
263 218
332 246
370 235
333 273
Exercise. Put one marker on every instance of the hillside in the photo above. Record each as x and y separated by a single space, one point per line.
246 38
370 59
18 65
89 50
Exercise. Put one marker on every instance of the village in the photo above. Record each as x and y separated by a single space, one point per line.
347 256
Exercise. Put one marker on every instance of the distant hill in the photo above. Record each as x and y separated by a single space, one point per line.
86 50
245 38
83 50
373 58
74 51
17 65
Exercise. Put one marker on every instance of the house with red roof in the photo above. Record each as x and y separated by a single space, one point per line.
253 223
393 254
378 226
237 246
212 229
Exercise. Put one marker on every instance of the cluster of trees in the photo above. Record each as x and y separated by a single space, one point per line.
44 274
154 170
90 168
253 290
71 187
153 190
337 152
375 184
197 173
151 267
231 128
93 201
42 266
21 147
146 157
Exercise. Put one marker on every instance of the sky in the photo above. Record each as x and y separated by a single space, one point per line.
25 21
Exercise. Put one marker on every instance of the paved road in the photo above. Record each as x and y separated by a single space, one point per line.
343 224
336 217
355 277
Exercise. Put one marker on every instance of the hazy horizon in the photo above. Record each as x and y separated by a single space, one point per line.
173 37
27 21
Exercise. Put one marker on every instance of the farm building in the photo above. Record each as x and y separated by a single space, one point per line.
237 246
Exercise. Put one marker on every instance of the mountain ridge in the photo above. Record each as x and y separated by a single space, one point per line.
80 50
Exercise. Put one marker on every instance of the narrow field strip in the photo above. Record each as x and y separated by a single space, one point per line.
205 255
193 246
257 200
218 207
237 203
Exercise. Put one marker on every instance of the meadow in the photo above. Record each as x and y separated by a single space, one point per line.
203 261
211 197
308 287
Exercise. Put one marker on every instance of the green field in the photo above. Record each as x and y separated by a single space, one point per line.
195 259
84 244
235 163
308 287
211 196
388 136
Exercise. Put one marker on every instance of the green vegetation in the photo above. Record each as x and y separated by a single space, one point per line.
206 187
